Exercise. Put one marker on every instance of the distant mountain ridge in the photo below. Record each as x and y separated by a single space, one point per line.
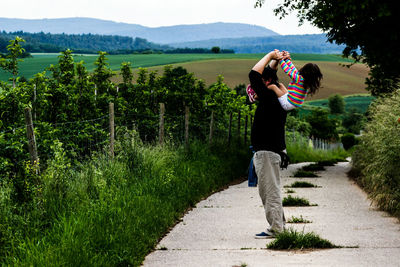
308 43
161 35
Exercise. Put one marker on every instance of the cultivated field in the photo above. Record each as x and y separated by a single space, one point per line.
234 68
337 79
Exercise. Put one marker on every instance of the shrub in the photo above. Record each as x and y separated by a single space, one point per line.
348 140
291 239
336 104
377 157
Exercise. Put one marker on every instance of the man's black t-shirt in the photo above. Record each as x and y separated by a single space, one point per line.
268 130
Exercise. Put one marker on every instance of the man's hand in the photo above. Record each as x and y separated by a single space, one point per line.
276 54
286 55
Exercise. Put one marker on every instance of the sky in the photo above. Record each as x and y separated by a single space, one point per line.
155 13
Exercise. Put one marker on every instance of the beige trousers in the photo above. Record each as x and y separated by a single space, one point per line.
266 164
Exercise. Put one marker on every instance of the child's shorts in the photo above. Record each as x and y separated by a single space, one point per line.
286 105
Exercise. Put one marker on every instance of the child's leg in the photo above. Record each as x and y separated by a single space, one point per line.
278 91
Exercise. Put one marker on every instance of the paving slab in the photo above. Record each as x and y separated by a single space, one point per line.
219 230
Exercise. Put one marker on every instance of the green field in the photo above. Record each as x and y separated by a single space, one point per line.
39 62
359 102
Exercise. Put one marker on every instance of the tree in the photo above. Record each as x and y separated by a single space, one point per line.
369 29
126 72
336 104
216 49
321 125
353 121
10 61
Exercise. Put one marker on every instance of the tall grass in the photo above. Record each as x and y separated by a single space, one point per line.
302 152
112 212
376 160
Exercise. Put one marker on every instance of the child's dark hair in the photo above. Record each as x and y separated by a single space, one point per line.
270 74
312 77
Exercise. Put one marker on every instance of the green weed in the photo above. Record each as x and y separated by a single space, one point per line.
290 191
301 173
327 162
290 201
302 184
300 219
313 167
291 239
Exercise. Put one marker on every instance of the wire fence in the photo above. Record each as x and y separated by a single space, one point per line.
83 138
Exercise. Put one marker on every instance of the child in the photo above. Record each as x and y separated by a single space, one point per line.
305 81
269 76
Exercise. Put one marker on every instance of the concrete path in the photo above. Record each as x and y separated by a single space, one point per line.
219 231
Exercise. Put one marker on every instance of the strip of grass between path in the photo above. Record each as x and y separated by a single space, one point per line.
291 239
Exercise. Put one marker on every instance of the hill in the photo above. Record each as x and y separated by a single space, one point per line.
79 43
309 43
162 35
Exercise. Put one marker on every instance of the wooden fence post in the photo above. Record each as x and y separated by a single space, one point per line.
187 127
245 129
112 129
34 102
210 137
161 126
30 134
230 129
238 129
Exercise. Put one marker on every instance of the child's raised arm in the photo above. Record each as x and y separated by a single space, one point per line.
288 67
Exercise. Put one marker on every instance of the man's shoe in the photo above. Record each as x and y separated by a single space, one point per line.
264 235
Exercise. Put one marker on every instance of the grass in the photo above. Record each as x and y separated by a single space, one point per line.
301 174
313 167
290 201
112 213
300 219
292 240
298 184
302 152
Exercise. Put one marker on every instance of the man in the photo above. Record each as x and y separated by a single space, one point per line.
268 140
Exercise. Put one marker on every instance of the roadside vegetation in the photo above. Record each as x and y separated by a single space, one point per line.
376 159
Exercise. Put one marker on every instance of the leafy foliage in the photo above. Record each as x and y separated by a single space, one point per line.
376 158
336 104
345 23
321 125
348 140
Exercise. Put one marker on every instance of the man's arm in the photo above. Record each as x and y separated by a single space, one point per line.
259 67
273 64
